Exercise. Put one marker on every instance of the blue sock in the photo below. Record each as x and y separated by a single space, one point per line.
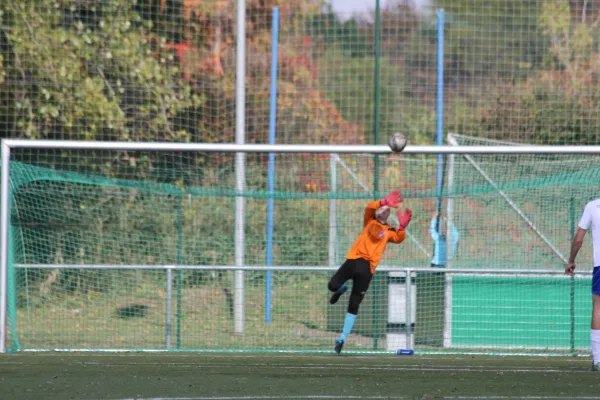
348 323
342 289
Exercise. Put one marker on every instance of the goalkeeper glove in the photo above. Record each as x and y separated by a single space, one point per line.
404 219
392 199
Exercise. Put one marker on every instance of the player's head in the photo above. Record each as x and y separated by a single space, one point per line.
382 214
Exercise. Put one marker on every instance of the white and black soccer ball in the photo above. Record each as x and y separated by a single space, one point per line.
397 142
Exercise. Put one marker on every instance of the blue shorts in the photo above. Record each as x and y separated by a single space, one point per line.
596 281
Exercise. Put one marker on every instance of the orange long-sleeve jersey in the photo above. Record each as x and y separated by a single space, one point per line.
374 237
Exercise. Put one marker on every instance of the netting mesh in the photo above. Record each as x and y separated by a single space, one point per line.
553 188
89 251
165 71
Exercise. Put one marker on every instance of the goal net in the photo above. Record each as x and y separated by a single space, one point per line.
113 249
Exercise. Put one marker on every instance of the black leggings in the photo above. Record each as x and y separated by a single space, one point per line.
360 272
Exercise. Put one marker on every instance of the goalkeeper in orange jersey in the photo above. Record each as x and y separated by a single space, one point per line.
362 259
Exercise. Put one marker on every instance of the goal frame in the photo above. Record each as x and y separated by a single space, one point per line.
240 150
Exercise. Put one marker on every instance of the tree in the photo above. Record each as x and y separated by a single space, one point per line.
560 104
79 72
571 41
495 38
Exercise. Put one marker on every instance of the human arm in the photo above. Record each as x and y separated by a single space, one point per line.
370 212
575 246
584 224
455 236
398 235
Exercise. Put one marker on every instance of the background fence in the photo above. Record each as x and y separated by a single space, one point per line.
523 71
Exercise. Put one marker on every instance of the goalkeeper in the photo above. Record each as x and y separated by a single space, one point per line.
361 260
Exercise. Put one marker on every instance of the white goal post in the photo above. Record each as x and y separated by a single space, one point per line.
10 144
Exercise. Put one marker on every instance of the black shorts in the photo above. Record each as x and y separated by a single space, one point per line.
359 270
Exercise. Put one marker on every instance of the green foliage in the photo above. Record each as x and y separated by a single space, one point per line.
397 111
537 84
354 38
572 43
81 72
2 70
345 53
556 106
543 110
494 38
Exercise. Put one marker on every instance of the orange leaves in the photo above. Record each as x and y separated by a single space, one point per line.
180 49
193 62
207 60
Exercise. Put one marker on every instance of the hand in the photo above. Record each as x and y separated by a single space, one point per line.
404 219
392 199
570 269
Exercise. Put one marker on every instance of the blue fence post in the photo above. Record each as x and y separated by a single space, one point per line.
271 171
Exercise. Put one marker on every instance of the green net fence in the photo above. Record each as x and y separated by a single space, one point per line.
119 258
157 70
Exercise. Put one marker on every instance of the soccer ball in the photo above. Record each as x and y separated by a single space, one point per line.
397 142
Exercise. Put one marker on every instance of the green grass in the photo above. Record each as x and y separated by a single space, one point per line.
287 376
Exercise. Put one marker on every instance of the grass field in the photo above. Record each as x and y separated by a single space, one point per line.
292 376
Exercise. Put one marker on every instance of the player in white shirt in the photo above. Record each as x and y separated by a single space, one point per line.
590 218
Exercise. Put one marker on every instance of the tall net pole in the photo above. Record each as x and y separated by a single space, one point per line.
240 165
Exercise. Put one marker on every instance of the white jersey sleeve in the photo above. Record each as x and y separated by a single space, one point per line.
586 219
590 220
